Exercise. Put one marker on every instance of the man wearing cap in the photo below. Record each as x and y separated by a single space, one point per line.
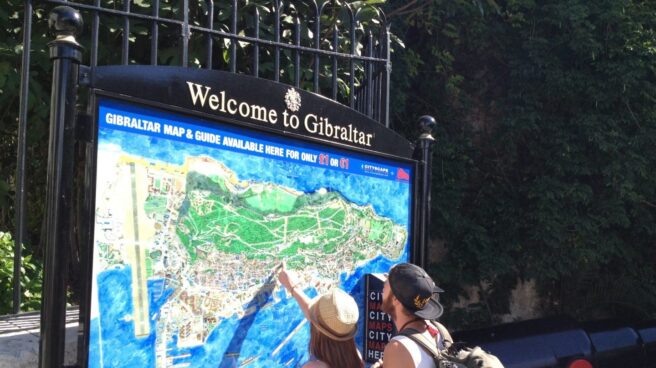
410 297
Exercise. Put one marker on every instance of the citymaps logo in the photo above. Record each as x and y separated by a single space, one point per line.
225 103
376 170
292 100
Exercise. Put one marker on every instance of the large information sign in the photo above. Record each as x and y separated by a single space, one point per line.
194 217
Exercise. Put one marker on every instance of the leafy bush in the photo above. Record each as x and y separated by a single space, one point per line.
30 278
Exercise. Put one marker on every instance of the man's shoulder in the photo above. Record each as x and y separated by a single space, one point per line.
397 355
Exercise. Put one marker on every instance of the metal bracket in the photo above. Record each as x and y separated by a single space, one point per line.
84 77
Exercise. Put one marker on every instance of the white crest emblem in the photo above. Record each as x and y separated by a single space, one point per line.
293 100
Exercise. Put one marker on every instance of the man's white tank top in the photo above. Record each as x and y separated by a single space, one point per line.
420 357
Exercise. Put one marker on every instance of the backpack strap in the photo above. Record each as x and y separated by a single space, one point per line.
446 359
448 340
430 346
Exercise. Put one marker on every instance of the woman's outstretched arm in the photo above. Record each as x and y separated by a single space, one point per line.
290 281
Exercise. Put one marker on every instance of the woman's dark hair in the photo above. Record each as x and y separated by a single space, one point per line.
337 354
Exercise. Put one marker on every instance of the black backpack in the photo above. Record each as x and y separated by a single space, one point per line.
448 358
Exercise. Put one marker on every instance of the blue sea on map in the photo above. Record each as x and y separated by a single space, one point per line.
259 338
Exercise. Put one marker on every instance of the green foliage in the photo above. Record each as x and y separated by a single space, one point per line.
11 50
545 166
30 278
334 15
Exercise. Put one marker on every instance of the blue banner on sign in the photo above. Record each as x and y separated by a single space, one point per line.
142 120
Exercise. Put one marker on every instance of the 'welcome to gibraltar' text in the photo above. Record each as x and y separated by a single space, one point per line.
202 96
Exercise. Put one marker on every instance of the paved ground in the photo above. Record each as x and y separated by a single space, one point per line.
19 339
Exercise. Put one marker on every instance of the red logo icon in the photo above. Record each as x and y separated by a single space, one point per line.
402 174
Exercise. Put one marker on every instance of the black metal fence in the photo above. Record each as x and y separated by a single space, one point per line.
339 52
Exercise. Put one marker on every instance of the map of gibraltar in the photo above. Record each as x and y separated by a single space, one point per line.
188 239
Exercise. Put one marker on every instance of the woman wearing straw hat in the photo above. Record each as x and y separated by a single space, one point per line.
333 320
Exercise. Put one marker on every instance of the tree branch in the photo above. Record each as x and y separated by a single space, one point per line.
635 120
410 11
397 11
653 205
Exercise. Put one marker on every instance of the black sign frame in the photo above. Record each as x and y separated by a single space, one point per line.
155 86
167 87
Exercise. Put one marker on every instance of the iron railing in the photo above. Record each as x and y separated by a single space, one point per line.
336 52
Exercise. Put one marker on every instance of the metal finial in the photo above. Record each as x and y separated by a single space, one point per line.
65 22
427 124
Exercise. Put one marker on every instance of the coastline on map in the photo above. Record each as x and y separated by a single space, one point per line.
258 339
150 291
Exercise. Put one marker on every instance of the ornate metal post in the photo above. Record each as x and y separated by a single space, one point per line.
66 55
424 145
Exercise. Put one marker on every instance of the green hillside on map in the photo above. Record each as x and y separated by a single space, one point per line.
269 222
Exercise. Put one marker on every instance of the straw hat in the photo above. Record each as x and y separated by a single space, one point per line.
335 314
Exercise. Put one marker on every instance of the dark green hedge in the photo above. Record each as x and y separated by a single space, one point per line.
545 166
